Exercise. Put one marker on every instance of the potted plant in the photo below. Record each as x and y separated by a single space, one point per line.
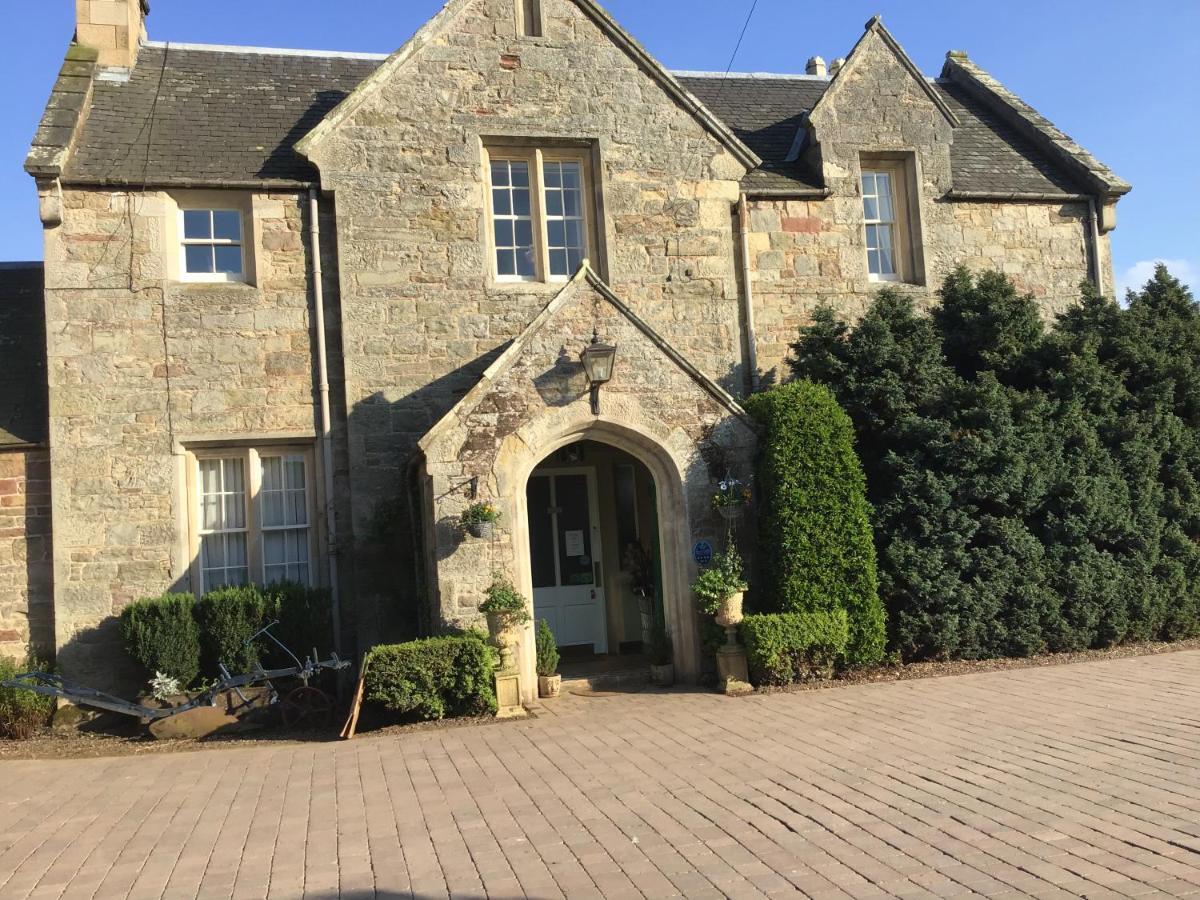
506 611
731 497
720 588
480 519
662 657
549 681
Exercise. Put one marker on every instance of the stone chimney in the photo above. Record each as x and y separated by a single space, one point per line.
836 65
816 66
113 27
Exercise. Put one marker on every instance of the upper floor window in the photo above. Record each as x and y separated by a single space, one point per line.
540 214
211 245
531 17
252 517
879 214
891 218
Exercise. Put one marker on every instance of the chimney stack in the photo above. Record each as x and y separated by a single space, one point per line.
816 66
836 65
113 27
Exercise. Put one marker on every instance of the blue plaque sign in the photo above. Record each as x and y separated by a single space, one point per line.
702 553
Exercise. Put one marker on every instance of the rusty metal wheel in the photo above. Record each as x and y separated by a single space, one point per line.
309 708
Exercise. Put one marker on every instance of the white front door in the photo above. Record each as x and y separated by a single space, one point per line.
565 556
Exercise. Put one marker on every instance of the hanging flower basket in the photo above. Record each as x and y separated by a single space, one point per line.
480 520
482 529
731 498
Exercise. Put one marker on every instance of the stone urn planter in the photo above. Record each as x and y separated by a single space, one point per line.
663 676
729 615
486 530
504 632
549 686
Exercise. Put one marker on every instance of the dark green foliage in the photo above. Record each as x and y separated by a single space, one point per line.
547 649
305 620
161 633
22 713
434 678
785 648
1033 489
228 618
814 526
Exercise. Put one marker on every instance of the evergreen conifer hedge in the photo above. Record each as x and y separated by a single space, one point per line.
434 678
161 633
815 544
1034 487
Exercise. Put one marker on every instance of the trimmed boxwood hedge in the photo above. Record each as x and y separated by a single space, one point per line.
785 648
434 678
185 638
162 634
815 540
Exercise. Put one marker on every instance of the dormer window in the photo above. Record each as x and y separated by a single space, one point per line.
530 15
891 232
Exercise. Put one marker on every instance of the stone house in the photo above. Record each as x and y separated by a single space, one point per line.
302 309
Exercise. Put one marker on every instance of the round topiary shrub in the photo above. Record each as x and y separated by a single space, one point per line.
815 540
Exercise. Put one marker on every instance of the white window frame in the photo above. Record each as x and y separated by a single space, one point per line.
895 224
251 459
213 242
529 18
537 158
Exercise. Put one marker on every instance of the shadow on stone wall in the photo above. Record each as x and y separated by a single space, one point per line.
388 552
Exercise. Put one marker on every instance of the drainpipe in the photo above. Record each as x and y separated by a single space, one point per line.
326 421
1094 240
743 214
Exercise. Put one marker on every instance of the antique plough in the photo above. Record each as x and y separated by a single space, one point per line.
303 705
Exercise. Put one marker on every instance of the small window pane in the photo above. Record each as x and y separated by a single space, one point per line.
574 261
502 202
885 198
525 234
235 550
554 203
557 233
500 174
212 551
868 184
871 208
227 225
873 236
295 475
197 224
574 233
525 264
506 262
521 203
199 259
553 175
504 233
570 175
558 263
228 259
520 174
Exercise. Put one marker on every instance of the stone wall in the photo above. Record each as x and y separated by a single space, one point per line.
810 253
26 603
422 316
141 366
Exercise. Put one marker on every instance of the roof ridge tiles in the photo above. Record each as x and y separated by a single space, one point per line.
265 51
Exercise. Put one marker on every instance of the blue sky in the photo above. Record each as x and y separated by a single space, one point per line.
1117 76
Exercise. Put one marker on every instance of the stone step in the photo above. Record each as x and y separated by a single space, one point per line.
607 680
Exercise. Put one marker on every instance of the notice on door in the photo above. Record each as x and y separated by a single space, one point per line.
574 543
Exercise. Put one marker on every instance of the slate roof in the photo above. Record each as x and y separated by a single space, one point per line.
232 117
23 395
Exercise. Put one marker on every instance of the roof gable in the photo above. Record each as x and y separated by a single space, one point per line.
875 28
575 291
307 145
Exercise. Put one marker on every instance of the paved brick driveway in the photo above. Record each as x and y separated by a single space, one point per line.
1068 781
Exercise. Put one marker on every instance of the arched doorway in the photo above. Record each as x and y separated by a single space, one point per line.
595 552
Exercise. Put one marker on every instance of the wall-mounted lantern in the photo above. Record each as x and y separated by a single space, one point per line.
598 361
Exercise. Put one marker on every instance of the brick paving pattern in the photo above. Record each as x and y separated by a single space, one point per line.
1079 780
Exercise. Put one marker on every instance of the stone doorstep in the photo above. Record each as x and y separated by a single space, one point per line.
609 680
